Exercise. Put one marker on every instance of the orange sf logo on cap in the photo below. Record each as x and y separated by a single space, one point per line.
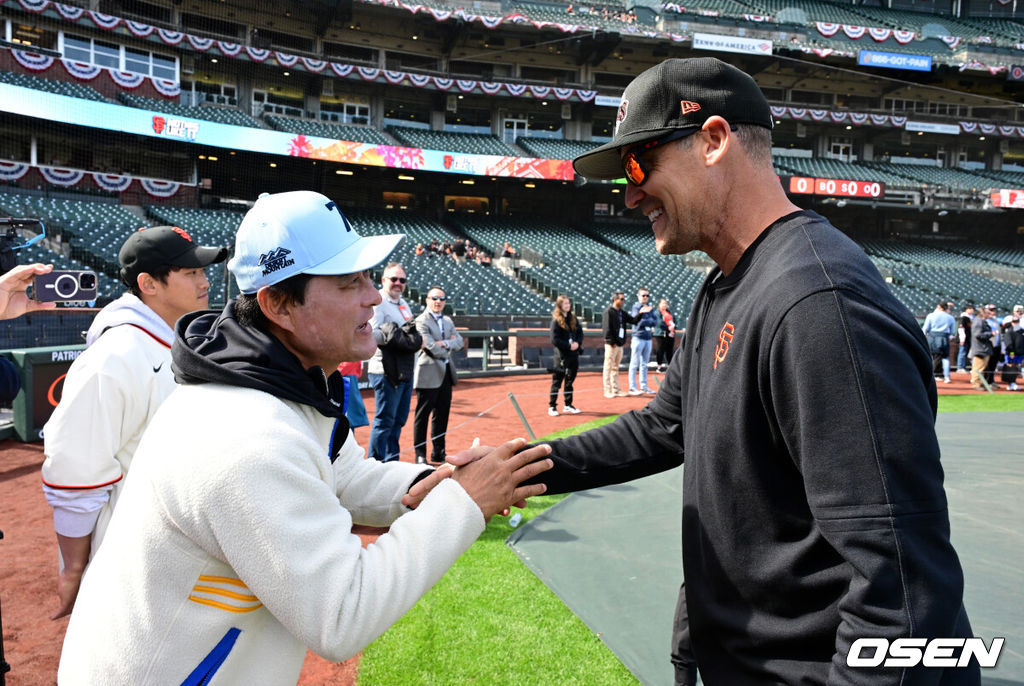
181 232
688 106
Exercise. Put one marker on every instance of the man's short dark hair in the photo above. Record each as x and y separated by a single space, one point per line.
292 290
160 273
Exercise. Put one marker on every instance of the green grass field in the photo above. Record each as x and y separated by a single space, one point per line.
982 402
491 621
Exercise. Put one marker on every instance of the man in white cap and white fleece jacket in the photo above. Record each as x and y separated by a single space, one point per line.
231 551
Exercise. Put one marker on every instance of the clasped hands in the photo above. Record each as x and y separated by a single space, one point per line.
491 476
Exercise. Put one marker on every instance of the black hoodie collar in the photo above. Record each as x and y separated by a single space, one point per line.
212 347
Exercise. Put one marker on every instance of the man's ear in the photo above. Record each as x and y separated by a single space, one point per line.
276 308
717 136
146 283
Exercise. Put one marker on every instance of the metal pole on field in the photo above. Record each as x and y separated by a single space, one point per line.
522 417
984 382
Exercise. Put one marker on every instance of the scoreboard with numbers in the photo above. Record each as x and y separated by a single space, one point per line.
844 188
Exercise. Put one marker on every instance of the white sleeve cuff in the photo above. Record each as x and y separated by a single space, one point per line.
75 512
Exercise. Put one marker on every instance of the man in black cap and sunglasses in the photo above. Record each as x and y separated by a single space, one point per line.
803 404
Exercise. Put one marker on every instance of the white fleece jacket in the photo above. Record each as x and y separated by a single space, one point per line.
231 550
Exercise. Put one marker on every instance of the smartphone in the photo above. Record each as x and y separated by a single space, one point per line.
68 285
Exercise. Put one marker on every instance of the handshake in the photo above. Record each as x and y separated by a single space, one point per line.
492 477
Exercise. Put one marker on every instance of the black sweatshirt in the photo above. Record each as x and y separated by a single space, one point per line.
813 506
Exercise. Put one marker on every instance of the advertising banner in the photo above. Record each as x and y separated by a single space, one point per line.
714 41
48 106
894 60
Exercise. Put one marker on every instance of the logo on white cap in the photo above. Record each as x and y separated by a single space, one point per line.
275 259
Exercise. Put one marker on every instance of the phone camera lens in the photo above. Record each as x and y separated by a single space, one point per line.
87 281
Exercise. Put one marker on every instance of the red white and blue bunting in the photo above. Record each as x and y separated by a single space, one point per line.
878 34
12 171
126 79
160 189
68 12
61 177
104 21
230 49
168 89
757 17
170 37
32 61
285 60
138 29
257 54
819 115
112 183
81 70
199 43
952 42
342 70
314 66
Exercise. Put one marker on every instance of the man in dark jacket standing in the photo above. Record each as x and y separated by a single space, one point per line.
814 512
614 324
981 344
391 368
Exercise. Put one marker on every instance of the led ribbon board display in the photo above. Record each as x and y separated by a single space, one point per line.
49 106
836 187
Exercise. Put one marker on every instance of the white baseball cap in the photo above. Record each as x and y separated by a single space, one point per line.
301 232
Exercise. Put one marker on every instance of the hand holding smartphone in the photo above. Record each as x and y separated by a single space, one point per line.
65 285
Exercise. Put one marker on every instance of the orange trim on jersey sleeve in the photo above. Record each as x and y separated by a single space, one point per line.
82 488
152 335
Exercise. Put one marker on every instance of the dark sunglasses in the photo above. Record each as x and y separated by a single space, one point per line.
439 297
633 161
397 279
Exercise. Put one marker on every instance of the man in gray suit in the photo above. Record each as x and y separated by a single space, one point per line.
435 375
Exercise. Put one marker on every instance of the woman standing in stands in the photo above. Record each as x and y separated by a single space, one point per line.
665 332
567 338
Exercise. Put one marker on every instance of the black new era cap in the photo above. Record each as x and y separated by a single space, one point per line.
146 250
676 94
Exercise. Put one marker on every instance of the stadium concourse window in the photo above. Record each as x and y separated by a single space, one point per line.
345 112
603 126
545 124
197 92
276 103
30 36
114 56
405 113
460 118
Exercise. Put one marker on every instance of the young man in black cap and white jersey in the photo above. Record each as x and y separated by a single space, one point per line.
814 512
113 389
